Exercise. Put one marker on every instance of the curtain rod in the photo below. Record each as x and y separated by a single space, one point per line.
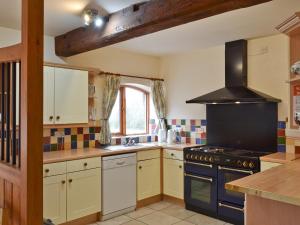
132 76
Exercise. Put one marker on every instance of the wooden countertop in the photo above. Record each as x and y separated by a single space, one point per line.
280 157
66 155
281 183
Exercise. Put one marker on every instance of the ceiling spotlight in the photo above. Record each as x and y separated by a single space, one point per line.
99 21
91 16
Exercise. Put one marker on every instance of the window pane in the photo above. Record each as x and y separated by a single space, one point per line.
136 102
114 119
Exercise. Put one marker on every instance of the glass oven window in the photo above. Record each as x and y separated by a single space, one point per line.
231 177
201 191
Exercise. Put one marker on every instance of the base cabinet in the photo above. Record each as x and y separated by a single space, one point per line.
72 192
55 198
268 165
173 178
148 178
83 193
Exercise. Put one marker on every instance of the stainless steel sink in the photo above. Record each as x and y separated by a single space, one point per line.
123 147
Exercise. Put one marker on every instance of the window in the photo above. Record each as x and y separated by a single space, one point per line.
130 114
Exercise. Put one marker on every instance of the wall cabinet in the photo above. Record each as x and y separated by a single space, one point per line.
268 165
148 174
72 195
65 96
173 178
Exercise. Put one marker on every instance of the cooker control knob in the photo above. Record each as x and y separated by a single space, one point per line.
205 158
251 165
245 164
187 156
201 158
239 163
196 157
192 156
211 159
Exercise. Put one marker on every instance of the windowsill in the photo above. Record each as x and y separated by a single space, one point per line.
132 136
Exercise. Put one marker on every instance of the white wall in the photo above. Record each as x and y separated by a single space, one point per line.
192 74
11 37
115 60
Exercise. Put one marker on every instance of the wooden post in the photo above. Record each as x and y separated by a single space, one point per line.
31 99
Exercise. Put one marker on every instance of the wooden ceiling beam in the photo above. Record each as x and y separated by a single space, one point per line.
142 19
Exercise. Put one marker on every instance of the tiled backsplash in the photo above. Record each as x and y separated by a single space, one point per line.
70 138
281 136
190 131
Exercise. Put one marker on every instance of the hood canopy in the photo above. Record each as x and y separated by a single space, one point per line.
236 90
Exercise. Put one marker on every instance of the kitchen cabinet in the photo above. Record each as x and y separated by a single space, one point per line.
54 196
48 95
264 165
65 96
148 174
72 189
83 193
173 178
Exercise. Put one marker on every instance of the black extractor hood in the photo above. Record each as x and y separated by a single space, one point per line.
235 90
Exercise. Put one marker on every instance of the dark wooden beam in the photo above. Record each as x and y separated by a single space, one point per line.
143 19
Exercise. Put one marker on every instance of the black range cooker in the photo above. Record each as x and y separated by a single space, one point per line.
207 170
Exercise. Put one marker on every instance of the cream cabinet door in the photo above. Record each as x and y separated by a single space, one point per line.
48 95
83 193
71 96
54 198
268 165
173 178
148 179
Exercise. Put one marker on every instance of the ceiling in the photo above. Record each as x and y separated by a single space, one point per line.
64 15
60 15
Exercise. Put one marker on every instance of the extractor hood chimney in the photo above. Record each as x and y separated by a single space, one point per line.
236 90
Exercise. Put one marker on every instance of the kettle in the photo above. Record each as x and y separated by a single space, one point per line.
171 137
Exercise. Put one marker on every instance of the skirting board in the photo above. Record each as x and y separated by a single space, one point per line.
158 198
85 220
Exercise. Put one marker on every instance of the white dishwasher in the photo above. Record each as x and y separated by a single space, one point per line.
118 185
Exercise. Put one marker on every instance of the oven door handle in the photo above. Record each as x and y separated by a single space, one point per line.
197 177
230 207
199 164
235 170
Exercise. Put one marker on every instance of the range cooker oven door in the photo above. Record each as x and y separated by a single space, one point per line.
225 175
200 193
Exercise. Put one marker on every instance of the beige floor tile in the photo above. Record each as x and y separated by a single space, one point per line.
183 223
159 205
108 222
158 218
140 212
133 222
178 212
200 219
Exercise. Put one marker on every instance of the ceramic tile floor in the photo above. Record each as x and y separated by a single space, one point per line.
162 213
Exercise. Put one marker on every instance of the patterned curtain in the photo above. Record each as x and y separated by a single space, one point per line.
159 100
111 88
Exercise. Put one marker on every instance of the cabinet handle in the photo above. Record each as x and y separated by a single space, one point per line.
51 118
172 154
140 167
47 170
63 181
180 167
70 180
58 117
85 164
